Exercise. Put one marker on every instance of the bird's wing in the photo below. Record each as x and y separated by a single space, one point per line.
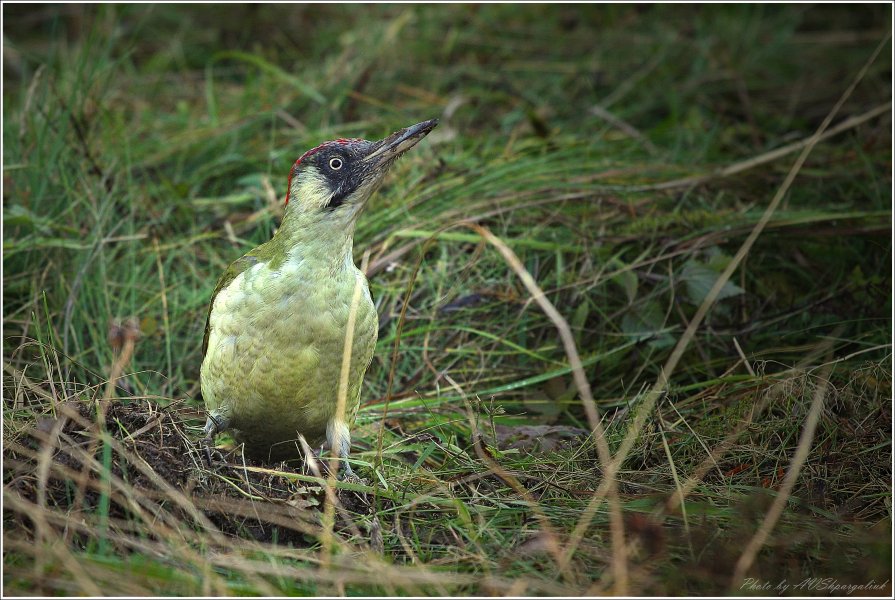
236 267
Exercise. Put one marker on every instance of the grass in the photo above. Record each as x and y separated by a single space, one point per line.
619 156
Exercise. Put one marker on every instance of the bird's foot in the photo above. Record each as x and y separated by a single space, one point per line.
212 426
210 452
355 479
347 475
206 447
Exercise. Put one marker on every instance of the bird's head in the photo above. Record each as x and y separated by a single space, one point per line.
331 183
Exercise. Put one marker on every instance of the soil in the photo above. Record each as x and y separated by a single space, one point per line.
151 456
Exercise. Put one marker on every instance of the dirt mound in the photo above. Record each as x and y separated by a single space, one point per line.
143 461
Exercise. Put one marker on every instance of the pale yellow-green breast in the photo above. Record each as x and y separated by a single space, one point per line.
276 339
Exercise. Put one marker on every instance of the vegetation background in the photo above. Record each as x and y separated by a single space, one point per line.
619 155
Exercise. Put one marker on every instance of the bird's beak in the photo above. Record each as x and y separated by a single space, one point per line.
390 148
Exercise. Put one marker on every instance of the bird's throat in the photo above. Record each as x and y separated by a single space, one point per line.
326 246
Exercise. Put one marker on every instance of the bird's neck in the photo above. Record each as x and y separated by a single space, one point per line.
318 246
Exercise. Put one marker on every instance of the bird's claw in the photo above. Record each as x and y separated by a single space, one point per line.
351 477
346 473
206 447
212 427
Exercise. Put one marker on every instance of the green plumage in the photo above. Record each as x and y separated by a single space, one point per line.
278 324
236 267
274 341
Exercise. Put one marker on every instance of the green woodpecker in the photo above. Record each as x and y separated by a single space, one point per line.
277 327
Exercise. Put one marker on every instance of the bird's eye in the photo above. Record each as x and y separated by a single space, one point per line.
335 164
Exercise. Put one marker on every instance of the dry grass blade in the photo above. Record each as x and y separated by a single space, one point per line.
619 559
744 249
163 289
623 126
328 538
123 339
52 542
661 383
337 437
798 460
771 155
677 481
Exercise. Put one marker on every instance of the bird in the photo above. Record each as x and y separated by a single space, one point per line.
278 322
